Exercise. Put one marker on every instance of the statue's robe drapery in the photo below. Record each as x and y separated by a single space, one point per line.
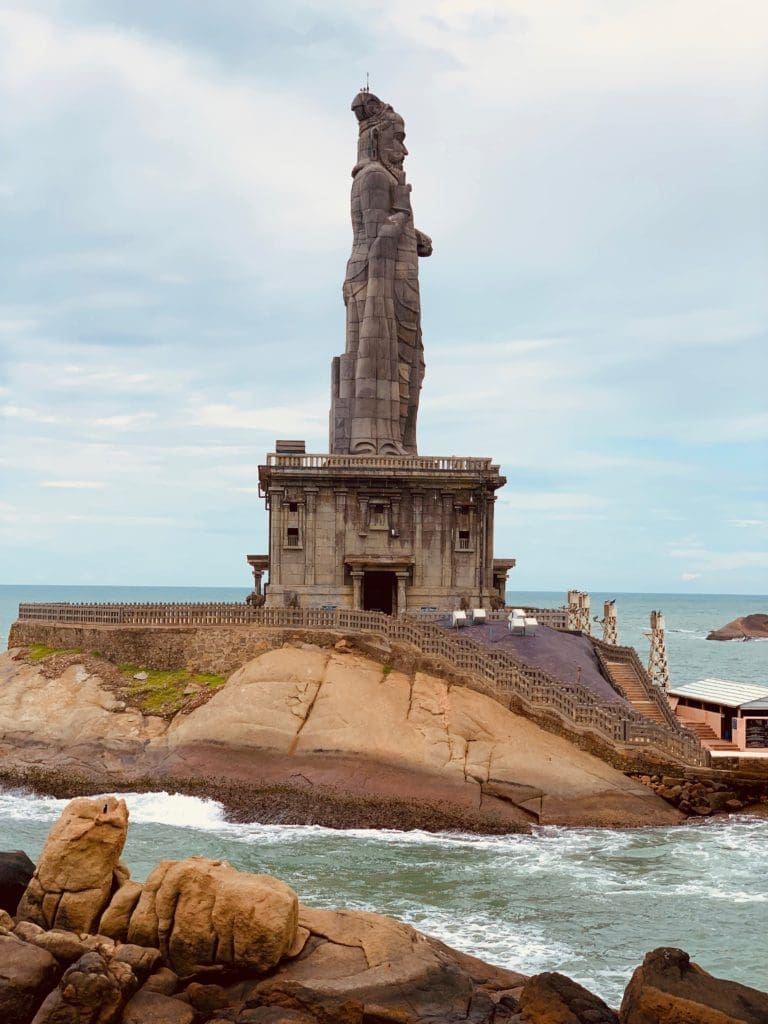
376 383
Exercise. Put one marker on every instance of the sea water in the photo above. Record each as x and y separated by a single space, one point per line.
587 902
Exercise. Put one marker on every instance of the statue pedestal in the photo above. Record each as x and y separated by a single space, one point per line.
385 533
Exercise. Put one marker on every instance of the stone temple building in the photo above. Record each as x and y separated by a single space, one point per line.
371 524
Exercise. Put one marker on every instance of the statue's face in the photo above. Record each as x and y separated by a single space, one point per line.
392 149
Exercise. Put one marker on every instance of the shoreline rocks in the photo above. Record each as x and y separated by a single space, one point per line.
202 943
747 627
326 737
699 797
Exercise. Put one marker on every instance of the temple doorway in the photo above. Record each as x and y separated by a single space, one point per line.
379 592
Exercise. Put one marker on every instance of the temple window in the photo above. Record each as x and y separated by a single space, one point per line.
377 516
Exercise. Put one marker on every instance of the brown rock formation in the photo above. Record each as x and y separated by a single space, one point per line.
748 627
344 741
277 962
669 989
26 975
203 913
16 869
92 991
78 867
317 712
551 998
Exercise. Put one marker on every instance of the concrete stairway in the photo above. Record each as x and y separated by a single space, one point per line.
625 676
708 736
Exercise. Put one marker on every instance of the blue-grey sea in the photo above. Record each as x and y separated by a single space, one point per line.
585 902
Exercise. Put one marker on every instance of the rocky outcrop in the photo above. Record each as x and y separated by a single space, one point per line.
26 975
720 793
329 729
669 989
79 866
94 990
16 869
551 998
748 627
212 945
203 914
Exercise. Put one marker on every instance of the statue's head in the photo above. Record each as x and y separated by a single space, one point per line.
382 132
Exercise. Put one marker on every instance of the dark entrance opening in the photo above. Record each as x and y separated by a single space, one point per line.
379 592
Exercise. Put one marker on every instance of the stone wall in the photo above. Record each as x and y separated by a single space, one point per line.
219 649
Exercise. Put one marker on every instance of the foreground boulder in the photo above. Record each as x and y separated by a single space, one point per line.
203 914
16 870
669 989
362 958
552 998
93 990
26 975
79 866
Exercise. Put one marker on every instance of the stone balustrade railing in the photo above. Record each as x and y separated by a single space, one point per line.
431 463
532 688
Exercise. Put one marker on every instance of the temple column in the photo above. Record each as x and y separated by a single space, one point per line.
357 589
418 547
310 501
340 529
363 515
402 579
447 545
275 534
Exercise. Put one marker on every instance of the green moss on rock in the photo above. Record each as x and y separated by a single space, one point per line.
166 691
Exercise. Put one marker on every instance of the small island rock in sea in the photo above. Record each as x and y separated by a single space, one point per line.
747 627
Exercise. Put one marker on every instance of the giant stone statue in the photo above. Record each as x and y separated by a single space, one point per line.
375 385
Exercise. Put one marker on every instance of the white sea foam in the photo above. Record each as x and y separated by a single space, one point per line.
175 809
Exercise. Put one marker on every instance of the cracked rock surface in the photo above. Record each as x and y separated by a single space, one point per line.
326 736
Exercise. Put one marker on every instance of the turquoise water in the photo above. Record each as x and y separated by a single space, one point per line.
688 618
589 903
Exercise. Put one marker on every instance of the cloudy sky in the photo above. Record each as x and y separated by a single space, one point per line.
174 187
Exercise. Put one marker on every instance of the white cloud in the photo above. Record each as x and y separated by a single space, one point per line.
126 520
202 144
73 485
28 415
721 561
126 421
688 577
277 419
550 501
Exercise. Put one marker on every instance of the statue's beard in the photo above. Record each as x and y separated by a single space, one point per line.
394 166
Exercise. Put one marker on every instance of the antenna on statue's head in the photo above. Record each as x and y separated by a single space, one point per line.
367 86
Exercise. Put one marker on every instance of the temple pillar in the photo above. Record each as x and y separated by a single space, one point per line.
402 600
418 522
310 501
447 545
340 526
357 588
275 534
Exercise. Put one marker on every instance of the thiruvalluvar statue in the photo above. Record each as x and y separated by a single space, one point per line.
376 383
